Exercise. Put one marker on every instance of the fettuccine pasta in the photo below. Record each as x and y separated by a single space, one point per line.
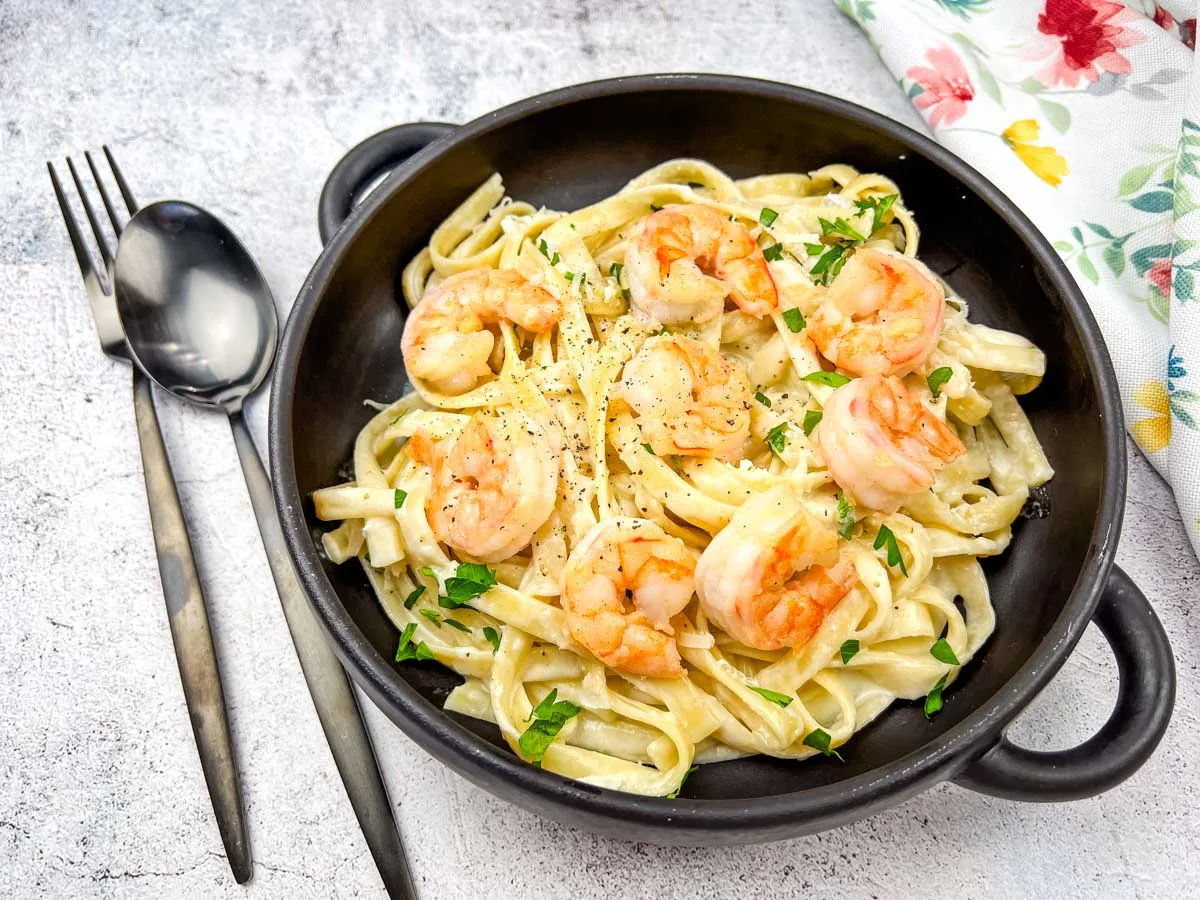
702 470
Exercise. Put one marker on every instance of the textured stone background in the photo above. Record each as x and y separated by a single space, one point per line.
243 107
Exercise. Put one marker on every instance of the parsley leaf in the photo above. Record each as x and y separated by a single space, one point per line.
831 379
849 650
937 378
554 259
649 449
682 781
819 741
830 263
812 419
406 650
888 539
427 571
493 638
793 319
846 520
432 617
548 717
777 438
774 253
814 249
763 399
615 270
471 580
767 217
933 700
399 497
626 293
841 228
411 600
774 696
654 207
454 623
943 652
879 206
545 250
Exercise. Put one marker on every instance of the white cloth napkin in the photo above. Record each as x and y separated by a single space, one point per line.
1087 114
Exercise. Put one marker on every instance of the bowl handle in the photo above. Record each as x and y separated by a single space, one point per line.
365 163
1145 697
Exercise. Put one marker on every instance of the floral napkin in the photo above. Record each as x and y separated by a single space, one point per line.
1087 114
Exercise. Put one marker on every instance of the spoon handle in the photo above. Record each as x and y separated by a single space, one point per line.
337 707
188 618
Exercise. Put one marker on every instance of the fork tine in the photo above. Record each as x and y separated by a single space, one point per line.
130 203
108 207
91 216
86 266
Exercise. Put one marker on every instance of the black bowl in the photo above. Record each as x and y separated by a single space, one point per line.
574 146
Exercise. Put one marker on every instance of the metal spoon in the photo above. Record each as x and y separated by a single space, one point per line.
200 320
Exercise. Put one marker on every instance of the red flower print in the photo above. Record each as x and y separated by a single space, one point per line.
1187 32
1185 29
947 87
1163 19
1081 40
1160 276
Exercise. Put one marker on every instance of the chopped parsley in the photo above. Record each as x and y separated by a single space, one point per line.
682 781
548 717
649 449
626 294
886 538
554 259
615 270
933 700
943 652
819 741
812 419
407 650
570 276
398 499
454 623
793 319
411 600
427 571
777 438
493 638
937 378
774 253
879 207
763 399
814 249
654 207
432 616
774 696
471 580
849 650
830 263
767 217
841 228
829 379
845 511
545 250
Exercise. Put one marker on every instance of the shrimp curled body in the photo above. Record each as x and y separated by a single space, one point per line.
690 400
773 574
881 443
447 340
625 561
494 484
687 259
881 315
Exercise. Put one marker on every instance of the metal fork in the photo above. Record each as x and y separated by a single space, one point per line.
186 610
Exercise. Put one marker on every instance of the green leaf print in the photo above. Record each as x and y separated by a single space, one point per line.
1179 401
987 81
1114 258
964 9
1064 246
1032 86
1134 179
1153 201
1088 268
1183 284
1144 258
1057 114
1099 229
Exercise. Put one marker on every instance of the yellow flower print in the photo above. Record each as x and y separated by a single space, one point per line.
1044 162
1153 432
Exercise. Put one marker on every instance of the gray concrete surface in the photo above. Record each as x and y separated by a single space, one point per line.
243 107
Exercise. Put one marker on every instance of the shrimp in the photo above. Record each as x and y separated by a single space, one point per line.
771 576
626 561
494 483
689 399
448 338
881 315
687 259
881 444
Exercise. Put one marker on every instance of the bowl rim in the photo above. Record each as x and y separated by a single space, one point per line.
504 773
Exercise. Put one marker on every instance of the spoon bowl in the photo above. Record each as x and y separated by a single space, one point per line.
198 314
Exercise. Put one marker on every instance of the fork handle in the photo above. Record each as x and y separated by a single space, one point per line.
191 635
332 694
